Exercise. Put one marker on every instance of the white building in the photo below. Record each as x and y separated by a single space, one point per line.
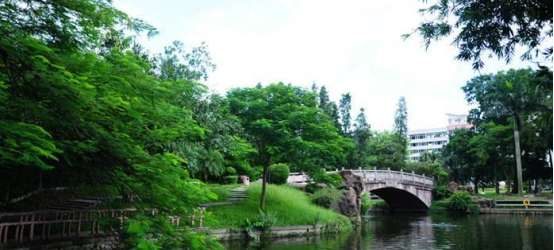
434 139
426 140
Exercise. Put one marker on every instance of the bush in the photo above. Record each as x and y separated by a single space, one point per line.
327 197
332 179
460 202
367 204
230 171
278 173
264 221
441 192
231 179
312 187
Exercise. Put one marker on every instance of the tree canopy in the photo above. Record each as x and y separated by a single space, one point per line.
482 28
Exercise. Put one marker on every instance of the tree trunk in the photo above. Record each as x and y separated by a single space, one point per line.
495 179
264 182
517 128
264 185
508 182
476 184
550 158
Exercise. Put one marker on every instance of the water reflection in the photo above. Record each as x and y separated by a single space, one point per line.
405 231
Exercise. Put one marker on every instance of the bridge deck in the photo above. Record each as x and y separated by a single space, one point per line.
375 175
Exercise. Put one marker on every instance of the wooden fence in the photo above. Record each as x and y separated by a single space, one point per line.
45 225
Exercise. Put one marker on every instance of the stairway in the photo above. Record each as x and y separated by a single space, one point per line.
238 194
75 204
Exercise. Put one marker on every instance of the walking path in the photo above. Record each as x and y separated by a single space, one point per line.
237 194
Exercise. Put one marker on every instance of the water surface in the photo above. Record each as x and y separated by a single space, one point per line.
409 231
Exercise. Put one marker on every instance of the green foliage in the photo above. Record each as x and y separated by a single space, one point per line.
460 202
362 136
78 100
367 204
231 179
327 197
230 171
401 120
481 28
312 187
507 103
332 179
278 173
286 126
387 150
264 221
441 192
345 107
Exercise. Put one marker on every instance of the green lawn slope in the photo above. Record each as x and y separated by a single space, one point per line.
289 205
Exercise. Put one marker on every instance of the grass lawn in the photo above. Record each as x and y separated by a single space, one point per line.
490 194
289 205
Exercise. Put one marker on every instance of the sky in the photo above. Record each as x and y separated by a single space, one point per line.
348 46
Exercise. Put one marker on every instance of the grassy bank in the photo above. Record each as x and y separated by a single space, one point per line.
290 206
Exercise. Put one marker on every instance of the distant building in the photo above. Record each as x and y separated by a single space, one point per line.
457 122
434 139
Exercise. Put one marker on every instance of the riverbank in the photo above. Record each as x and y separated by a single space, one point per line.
285 205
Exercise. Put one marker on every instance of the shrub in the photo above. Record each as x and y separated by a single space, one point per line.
441 192
327 197
332 179
264 221
367 204
278 173
312 187
460 202
230 179
230 171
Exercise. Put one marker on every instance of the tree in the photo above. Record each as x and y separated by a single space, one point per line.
335 116
324 103
386 150
401 119
400 127
286 126
457 156
495 148
502 95
481 27
430 157
345 107
362 136
176 63
80 107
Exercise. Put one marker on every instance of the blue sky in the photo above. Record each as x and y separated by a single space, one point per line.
348 46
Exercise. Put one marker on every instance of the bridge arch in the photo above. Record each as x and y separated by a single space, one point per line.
402 191
400 199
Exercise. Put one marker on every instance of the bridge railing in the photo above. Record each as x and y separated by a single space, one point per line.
374 175
391 175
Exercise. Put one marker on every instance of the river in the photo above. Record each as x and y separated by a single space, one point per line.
437 231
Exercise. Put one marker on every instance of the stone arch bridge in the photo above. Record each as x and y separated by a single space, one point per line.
402 191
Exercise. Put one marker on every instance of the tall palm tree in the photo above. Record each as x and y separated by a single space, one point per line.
503 95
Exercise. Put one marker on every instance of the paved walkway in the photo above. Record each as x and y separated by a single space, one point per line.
237 194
